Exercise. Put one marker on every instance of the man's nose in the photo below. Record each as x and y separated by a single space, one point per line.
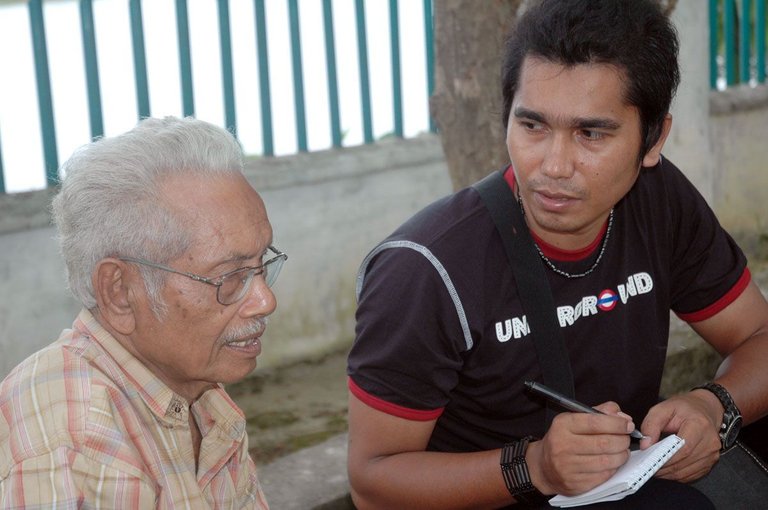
557 162
259 300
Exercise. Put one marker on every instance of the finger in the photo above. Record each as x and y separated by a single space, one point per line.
653 426
588 424
609 407
580 482
690 462
613 409
586 471
685 470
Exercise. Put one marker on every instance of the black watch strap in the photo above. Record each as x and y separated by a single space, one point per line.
516 476
731 424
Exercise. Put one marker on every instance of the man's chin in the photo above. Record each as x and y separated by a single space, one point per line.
236 373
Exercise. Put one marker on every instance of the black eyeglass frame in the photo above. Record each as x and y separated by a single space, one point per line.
217 281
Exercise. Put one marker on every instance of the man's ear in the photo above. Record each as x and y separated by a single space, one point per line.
651 158
112 289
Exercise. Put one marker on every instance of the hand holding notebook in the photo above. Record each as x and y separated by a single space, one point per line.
640 467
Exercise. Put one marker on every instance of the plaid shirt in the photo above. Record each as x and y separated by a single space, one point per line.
84 423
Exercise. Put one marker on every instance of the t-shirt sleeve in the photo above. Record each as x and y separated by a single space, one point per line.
709 270
409 340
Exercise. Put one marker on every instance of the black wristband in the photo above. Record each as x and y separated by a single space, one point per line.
514 469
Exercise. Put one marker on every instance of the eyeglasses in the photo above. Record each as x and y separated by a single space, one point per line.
231 286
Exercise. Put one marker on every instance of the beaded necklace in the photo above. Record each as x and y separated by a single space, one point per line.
560 271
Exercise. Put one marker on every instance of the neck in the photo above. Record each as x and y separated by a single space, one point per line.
569 246
604 236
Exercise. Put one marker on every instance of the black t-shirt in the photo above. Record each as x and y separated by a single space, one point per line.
441 334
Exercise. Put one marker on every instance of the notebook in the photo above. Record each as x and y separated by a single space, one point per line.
640 467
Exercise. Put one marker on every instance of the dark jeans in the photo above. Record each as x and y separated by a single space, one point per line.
658 493
654 495
755 436
738 481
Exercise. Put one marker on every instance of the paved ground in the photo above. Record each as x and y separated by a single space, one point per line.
293 407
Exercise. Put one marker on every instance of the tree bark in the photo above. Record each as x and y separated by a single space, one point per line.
466 104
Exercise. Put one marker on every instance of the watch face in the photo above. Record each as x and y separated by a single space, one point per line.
731 433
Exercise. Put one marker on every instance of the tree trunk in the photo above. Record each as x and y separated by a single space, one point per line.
466 104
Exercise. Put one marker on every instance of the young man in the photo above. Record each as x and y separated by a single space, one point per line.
127 408
442 351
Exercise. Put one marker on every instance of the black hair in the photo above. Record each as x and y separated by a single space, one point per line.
633 35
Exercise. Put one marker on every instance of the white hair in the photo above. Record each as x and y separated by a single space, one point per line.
110 203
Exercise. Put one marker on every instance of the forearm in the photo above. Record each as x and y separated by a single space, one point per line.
427 480
740 334
743 373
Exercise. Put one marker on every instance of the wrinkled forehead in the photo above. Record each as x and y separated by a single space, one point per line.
224 216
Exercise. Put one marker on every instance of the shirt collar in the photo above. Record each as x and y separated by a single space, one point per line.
214 408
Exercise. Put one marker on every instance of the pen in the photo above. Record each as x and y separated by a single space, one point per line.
569 403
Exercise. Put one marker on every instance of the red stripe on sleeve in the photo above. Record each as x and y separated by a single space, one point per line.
721 303
392 409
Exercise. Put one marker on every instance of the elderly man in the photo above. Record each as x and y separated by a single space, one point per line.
170 251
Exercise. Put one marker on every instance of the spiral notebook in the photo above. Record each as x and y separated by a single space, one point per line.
640 467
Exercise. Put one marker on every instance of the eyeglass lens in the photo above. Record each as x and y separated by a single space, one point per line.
234 286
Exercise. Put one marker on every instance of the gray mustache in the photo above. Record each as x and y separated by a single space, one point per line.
239 333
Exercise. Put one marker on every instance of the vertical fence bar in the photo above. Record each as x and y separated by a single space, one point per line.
429 45
333 87
760 40
397 87
264 90
228 82
185 60
139 60
729 33
745 40
298 76
91 68
362 57
45 102
713 44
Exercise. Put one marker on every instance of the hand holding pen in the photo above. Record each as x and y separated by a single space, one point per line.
569 403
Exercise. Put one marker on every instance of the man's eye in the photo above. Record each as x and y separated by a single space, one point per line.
531 125
591 134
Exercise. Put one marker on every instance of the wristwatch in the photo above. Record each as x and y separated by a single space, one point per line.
731 425
514 468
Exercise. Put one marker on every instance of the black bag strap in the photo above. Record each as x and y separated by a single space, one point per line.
532 284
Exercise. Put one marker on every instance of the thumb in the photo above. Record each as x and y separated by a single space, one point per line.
652 427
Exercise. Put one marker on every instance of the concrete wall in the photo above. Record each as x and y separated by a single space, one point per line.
719 138
327 210
739 130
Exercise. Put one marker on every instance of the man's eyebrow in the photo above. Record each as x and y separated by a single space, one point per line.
237 259
525 113
576 122
595 122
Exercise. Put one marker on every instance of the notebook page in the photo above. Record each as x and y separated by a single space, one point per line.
640 467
